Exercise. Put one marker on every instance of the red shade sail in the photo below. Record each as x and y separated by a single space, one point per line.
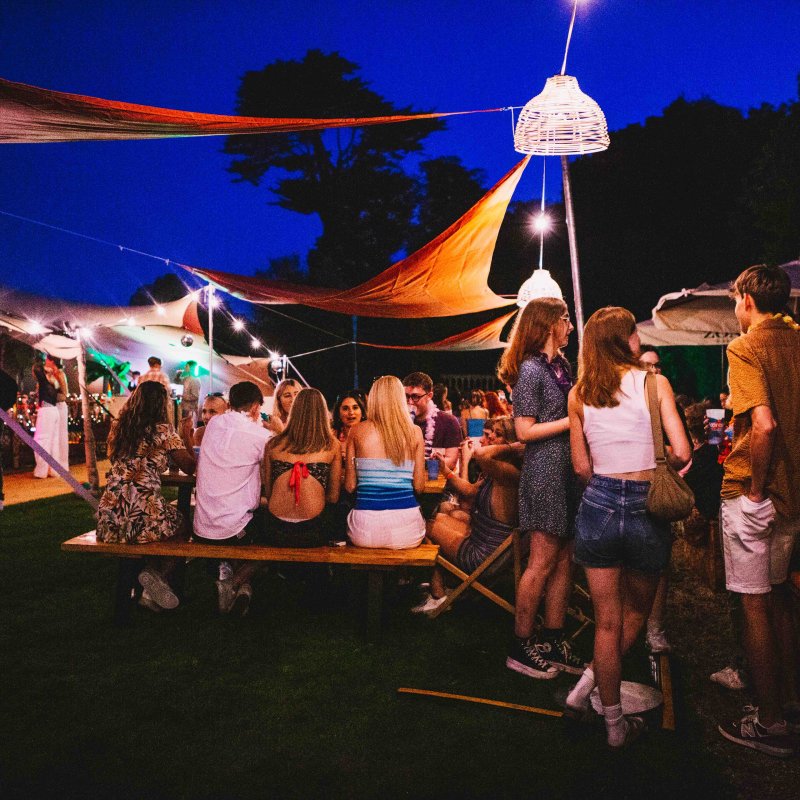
484 337
446 277
31 115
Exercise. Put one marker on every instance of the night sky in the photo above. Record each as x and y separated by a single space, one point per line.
174 198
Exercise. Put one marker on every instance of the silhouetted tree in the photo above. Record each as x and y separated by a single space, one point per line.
351 178
163 289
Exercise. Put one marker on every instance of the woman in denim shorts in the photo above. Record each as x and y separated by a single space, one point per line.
622 548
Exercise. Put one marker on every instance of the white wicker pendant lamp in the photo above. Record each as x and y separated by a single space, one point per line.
563 121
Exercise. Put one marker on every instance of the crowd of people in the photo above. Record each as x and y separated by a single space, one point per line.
568 460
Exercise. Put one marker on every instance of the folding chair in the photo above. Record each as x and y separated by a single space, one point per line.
471 580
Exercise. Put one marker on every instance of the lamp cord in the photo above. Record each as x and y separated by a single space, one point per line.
569 37
541 211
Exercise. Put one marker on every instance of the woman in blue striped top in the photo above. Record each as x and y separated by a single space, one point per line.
385 466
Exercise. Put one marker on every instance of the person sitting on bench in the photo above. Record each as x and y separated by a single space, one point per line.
491 521
385 462
304 465
229 479
132 508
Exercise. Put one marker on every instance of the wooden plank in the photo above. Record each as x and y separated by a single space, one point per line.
422 556
481 701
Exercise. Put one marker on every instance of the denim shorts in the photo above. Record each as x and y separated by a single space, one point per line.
613 528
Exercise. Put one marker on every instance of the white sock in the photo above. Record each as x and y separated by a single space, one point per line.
616 724
655 626
579 694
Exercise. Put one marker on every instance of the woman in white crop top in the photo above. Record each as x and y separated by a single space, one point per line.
622 548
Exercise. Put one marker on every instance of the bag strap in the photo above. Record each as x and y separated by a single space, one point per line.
655 417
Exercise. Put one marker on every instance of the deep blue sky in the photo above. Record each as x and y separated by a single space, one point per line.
174 197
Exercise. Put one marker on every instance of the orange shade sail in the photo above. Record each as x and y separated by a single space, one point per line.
446 277
484 337
30 115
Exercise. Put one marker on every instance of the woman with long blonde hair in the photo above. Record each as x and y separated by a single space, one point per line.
385 466
541 379
285 393
303 474
623 549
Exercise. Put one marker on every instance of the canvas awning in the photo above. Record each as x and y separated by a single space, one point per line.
446 277
29 115
703 316
483 337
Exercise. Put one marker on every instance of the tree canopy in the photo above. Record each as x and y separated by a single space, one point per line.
353 179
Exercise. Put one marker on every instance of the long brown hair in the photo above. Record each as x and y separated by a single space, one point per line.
388 412
146 408
605 355
308 429
529 335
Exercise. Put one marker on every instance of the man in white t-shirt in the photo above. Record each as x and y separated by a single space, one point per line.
230 474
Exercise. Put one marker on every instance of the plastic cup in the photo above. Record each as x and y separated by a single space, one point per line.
432 465
475 427
716 425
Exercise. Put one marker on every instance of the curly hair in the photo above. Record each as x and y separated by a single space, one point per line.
146 408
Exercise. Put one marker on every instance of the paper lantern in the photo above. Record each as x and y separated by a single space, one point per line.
540 284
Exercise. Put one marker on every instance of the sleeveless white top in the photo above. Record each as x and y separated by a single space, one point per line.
621 438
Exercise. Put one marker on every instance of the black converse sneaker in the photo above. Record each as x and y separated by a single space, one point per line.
558 653
525 659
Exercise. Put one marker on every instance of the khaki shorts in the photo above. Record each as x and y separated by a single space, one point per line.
756 544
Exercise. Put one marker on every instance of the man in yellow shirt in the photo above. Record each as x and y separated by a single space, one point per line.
760 513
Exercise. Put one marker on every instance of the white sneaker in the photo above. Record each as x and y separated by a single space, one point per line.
657 642
159 591
430 603
730 678
145 601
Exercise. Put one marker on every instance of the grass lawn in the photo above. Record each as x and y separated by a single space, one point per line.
292 702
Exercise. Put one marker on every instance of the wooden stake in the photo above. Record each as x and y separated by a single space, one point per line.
482 701
668 713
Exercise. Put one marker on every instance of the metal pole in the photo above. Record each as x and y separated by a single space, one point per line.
88 434
355 350
210 339
573 249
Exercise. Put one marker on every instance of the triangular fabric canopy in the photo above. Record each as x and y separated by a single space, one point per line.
446 277
30 115
484 337
703 316
32 314
129 334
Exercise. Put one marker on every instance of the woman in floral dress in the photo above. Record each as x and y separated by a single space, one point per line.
132 508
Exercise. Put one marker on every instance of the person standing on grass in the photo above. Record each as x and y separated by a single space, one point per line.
541 378
230 474
191 390
760 512
623 549
155 374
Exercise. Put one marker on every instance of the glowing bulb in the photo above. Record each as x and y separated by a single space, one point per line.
541 223
161 310
213 302
273 355
37 327
255 343
130 321
238 325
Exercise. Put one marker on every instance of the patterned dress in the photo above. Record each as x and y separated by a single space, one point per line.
132 508
548 493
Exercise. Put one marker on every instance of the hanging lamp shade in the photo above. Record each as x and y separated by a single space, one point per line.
540 284
561 121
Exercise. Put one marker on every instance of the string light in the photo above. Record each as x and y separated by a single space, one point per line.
238 325
161 310
255 343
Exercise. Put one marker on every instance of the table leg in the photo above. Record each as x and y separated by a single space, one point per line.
374 604
127 573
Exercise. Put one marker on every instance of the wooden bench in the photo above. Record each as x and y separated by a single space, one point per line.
375 561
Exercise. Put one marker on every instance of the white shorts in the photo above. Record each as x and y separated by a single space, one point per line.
756 544
397 528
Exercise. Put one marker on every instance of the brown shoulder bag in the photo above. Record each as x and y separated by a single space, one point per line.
670 497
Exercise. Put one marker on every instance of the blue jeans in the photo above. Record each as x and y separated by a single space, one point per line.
613 528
